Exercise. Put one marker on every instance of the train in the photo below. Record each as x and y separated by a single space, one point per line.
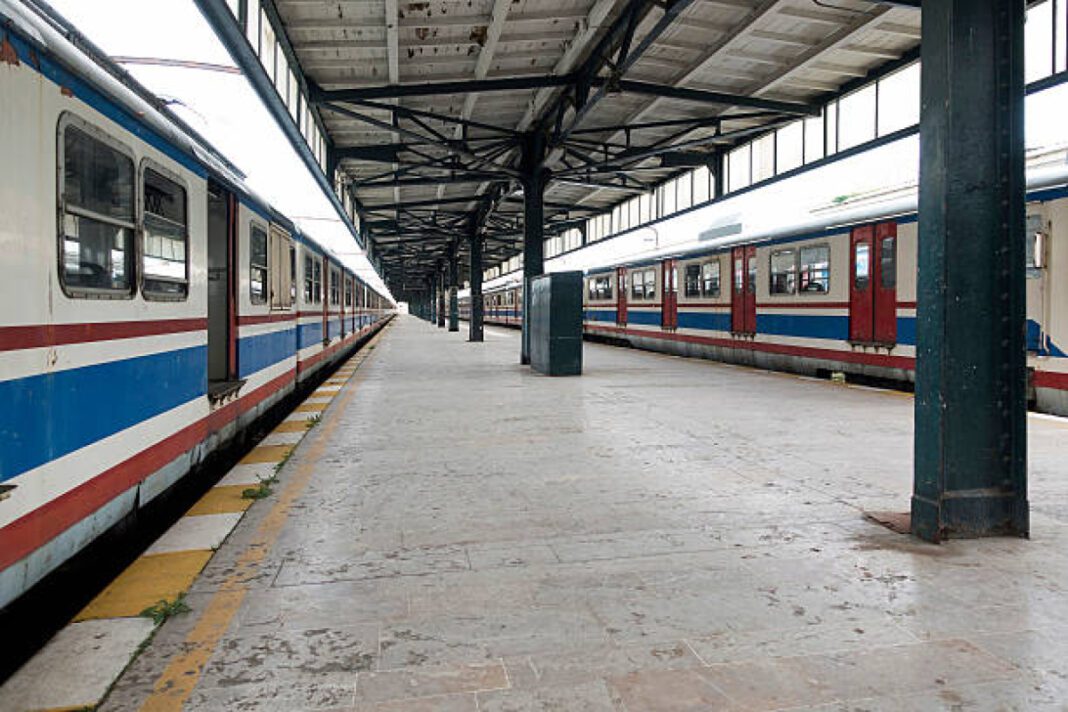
833 293
155 308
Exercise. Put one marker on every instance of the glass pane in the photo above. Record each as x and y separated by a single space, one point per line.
96 177
816 269
1038 42
813 139
252 32
739 275
1061 31
862 266
637 285
856 118
702 180
710 279
667 198
165 236
783 272
899 100
258 246
764 158
831 125
684 191
650 284
692 288
888 263
789 148
739 168
267 44
96 255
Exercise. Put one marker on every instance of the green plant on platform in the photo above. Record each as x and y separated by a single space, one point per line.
260 491
314 420
164 609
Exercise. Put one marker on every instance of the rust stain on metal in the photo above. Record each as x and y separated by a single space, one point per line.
66 91
478 34
8 55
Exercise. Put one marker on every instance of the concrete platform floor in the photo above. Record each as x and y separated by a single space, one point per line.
659 534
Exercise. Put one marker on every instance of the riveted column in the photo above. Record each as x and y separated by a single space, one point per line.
454 286
440 277
535 179
475 247
971 371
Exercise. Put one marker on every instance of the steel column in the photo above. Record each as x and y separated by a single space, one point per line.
475 323
454 285
440 277
535 177
971 371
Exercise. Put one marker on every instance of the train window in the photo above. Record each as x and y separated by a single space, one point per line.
292 274
750 287
335 287
348 292
862 266
783 272
164 254
739 275
650 284
710 279
308 282
692 287
606 287
257 264
96 216
317 281
1035 241
591 289
815 272
637 285
888 262
281 263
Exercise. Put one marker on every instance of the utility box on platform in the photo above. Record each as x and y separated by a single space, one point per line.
556 324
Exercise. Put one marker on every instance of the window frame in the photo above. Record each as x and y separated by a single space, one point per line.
719 278
68 119
795 251
695 268
830 268
147 164
265 298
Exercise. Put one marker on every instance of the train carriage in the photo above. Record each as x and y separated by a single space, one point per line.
153 309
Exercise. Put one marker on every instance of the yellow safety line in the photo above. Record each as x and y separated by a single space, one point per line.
181 676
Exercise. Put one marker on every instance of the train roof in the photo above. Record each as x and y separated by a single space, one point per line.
54 36
715 233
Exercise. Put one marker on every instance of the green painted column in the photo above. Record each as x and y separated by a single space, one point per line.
971 371
535 180
454 286
440 279
475 330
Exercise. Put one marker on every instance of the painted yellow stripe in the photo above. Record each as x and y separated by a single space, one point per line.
177 682
293 426
310 408
147 581
266 453
221 500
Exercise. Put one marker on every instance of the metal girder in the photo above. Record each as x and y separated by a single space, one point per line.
714 97
466 86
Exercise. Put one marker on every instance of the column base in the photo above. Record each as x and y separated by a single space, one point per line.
970 515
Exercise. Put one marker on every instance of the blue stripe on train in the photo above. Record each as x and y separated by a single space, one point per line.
311 334
50 415
255 353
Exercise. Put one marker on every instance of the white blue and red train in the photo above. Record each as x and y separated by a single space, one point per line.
154 308
836 294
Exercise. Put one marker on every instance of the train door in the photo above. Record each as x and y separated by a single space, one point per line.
222 314
873 284
621 296
669 296
324 290
743 290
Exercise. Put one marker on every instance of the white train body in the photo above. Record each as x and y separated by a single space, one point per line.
153 305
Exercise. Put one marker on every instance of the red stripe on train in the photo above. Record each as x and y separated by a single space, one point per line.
13 338
828 354
31 531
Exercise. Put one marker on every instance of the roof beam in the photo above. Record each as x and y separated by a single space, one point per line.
463 86
715 97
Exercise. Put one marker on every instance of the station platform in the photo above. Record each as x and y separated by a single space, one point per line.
459 533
